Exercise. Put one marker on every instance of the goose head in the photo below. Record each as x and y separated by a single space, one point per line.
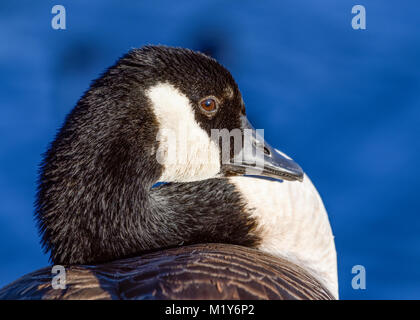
197 110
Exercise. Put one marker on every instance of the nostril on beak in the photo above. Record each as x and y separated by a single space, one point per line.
258 145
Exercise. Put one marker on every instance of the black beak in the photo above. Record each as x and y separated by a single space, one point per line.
257 157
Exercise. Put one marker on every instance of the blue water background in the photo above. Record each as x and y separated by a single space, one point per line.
344 103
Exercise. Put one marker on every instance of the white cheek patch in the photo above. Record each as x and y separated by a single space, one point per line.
293 223
186 151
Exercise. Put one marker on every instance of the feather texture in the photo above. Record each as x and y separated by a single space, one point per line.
203 271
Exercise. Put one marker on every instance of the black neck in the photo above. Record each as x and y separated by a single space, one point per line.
200 212
111 227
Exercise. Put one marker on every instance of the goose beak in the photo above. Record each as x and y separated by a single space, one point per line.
257 157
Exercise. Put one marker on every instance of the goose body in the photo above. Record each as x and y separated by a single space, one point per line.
202 271
159 115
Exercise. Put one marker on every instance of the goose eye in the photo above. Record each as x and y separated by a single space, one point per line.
209 105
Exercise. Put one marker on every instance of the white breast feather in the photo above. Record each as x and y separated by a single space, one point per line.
294 224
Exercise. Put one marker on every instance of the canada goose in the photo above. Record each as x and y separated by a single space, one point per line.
96 203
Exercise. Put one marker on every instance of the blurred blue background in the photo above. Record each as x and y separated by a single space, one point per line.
344 103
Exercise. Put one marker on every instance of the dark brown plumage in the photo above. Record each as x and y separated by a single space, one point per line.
203 271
